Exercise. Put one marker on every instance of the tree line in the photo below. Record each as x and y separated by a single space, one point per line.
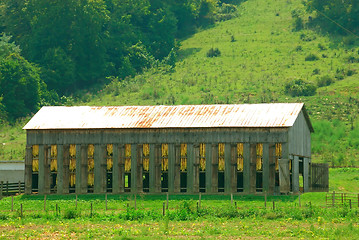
51 48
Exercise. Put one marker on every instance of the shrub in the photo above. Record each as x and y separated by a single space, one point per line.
325 81
213 52
300 87
311 57
70 214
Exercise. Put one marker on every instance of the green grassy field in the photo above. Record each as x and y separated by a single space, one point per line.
260 53
215 217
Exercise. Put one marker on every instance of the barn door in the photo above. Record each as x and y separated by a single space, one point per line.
284 175
319 177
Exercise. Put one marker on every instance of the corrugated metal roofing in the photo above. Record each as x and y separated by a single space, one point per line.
180 116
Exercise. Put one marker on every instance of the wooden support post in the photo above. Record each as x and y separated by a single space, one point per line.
295 175
41 169
208 168
196 168
116 169
28 170
78 169
65 168
214 162
84 168
190 170
158 169
134 172
139 167
246 168
265 176
273 205
171 167
272 171
306 174
152 168
177 169
60 169
227 167
121 171
233 166
253 171
100 169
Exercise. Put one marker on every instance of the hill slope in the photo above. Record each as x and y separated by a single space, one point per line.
259 54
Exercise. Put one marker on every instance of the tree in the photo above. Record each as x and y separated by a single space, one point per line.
19 86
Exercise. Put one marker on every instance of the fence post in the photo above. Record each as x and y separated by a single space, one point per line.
7 188
273 205
300 204
106 201
12 203
2 183
333 199
265 200
199 200
350 203
135 203
76 202
231 198
358 200
45 202
342 199
91 210
167 201
164 209
21 210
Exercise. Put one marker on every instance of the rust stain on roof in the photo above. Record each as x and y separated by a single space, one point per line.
181 116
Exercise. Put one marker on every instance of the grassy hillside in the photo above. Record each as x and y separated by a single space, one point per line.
260 53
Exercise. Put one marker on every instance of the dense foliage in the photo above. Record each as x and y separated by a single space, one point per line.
76 44
336 16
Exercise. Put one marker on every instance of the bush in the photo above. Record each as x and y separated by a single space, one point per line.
300 87
213 52
311 57
325 81
70 214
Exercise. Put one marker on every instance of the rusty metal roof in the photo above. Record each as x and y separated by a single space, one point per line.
180 116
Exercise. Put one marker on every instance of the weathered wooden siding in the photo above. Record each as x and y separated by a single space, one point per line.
157 136
299 138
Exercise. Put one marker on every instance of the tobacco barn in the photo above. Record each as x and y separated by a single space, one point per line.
246 148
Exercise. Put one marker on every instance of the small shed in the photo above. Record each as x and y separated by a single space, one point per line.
244 148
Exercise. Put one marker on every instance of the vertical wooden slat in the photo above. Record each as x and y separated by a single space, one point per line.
78 169
266 168
28 170
246 168
60 169
115 169
121 170
271 177
227 168
253 172
84 168
139 180
177 169
209 168
152 169
190 161
134 171
171 167
66 170
158 157
100 168
214 167
295 174
233 167
196 168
